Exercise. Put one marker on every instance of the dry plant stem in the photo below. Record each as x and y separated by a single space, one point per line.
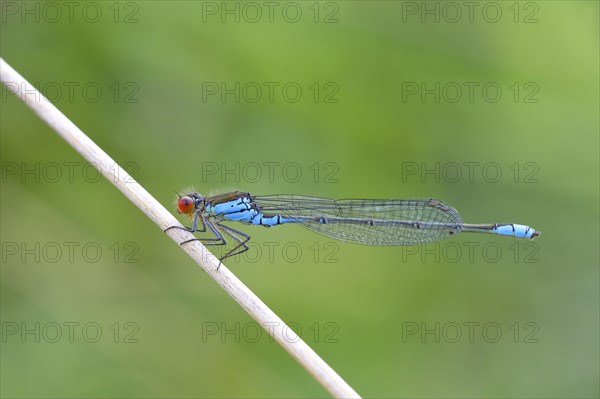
324 374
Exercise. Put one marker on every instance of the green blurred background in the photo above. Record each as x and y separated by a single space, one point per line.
386 319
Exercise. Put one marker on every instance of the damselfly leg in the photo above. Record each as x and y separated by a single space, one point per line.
243 244
219 239
219 230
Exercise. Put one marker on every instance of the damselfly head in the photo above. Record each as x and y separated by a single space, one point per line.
188 203
185 205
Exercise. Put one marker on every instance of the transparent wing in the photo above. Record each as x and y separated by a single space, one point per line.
368 221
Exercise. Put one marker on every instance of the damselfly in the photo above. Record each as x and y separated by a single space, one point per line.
363 221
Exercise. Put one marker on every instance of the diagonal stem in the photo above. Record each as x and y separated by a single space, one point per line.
256 308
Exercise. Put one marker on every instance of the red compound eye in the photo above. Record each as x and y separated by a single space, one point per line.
185 205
